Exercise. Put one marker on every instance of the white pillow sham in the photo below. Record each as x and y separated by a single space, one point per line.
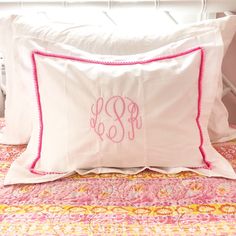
96 40
94 113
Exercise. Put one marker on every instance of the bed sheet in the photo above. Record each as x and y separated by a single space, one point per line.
147 203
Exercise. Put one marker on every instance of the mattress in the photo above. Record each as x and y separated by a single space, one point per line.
147 203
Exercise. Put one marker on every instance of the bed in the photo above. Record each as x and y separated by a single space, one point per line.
56 202
148 203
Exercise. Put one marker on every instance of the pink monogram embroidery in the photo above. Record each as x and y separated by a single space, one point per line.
133 110
115 118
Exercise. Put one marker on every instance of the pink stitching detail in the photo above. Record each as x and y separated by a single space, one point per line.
112 132
93 121
116 107
36 86
120 63
200 77
133 120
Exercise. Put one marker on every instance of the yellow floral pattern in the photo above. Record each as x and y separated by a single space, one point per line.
146 204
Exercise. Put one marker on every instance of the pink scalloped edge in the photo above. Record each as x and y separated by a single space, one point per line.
115 63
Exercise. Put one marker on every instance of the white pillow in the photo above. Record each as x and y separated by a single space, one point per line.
92 39
95 113
18 126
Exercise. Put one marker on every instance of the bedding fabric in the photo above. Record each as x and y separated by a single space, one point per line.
111 119
91 38
147 203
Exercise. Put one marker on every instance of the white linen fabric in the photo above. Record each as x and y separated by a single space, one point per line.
18 122
94 39
123 114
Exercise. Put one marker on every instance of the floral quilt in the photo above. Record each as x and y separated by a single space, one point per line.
147 203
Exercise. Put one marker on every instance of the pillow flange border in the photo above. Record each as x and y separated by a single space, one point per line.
116 63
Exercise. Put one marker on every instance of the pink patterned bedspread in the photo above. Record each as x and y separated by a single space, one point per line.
114 204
